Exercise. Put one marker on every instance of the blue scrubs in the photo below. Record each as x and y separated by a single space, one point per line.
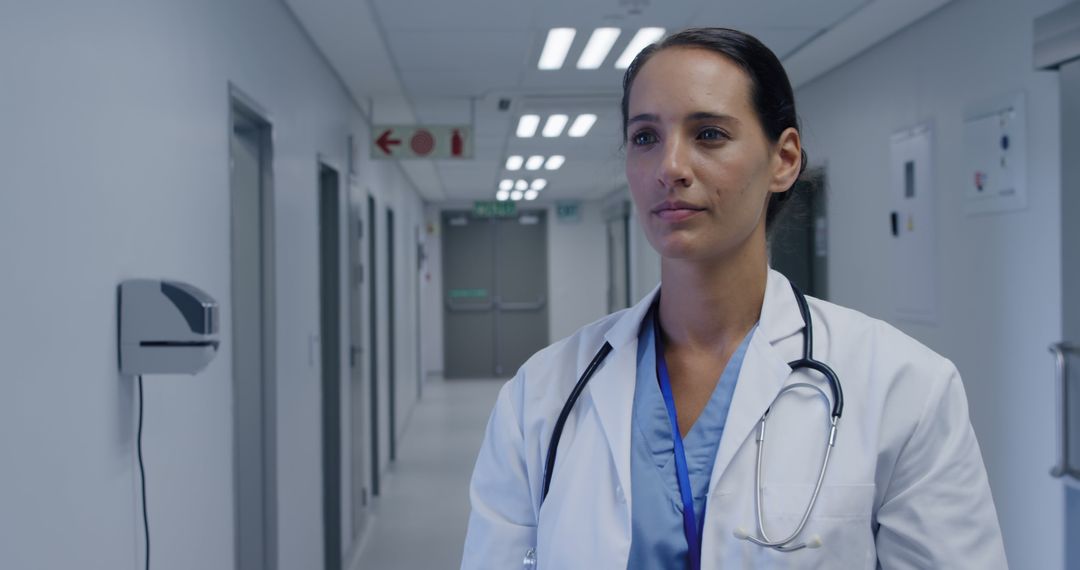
658 540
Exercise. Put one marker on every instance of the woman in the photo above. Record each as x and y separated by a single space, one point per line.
659 464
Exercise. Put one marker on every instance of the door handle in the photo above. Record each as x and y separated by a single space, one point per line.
522 306
1061 370
469 308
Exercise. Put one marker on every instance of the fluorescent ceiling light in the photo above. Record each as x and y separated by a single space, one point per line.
539 184
516 195
534 163
521 185
554 126
506 185
531 194
514 162
527 125
644 37
502 195
555 162
596 51
581 125
556 47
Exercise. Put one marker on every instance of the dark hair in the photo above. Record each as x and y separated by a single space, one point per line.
770 89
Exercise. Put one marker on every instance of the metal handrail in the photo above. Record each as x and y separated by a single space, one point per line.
1063 467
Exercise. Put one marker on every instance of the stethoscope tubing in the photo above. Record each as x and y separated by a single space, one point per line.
806 362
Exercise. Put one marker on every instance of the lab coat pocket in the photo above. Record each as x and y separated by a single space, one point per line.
838 531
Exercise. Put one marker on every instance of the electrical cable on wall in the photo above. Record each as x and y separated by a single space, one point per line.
142 476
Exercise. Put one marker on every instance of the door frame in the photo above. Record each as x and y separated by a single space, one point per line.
264 472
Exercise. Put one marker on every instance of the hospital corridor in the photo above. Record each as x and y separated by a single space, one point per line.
555 284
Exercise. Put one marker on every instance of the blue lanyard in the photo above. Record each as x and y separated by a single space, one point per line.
691 528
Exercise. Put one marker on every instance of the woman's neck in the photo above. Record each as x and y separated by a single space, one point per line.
709 304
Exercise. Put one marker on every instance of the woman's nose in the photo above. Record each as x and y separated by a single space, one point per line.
674 168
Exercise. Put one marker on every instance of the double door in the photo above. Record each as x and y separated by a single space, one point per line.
495 310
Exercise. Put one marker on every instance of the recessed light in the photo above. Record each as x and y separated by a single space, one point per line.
521 185
554 126
502 195
581 125
527 125
531 194
516 195
556 47
596 51
642 38
555 162
514 162
539 184
506 185
534 163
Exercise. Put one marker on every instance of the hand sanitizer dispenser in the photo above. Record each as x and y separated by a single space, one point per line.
166 327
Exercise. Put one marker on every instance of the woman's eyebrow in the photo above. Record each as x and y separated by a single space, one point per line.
698 116
647 117
707 116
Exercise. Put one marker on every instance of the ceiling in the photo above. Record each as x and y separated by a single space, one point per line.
439 62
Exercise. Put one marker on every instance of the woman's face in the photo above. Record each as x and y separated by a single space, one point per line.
699 165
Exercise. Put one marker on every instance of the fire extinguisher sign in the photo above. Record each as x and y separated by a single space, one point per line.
422 142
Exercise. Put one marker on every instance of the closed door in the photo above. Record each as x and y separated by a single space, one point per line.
618 239
494 292
797 244
521 312
358 401
329 331
1068 396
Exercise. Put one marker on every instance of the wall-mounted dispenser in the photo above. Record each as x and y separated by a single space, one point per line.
166 327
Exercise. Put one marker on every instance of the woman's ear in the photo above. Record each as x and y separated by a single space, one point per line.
787 160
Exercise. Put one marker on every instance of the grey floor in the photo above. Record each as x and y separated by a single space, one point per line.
419 520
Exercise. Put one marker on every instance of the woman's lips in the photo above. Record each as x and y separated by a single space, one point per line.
677 214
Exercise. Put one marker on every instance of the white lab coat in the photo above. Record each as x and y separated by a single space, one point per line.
905 487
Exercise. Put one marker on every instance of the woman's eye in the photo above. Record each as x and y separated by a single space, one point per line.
712 134
644 138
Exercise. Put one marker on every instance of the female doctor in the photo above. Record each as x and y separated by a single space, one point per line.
639 442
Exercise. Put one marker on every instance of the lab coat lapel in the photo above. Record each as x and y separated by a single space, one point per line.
612 388
764 370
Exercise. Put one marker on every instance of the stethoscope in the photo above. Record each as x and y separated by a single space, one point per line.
806 362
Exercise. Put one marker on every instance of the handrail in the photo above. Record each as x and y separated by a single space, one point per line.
1063 467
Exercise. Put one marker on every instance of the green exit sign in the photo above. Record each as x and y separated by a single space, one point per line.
494 209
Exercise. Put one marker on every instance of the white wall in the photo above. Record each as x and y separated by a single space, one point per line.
999 275
114 151
577 270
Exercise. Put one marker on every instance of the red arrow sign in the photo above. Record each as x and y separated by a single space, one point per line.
385 142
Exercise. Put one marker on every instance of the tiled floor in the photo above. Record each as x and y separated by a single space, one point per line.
420 518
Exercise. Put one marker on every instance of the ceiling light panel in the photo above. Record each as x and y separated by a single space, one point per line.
516 195
506 185
644 37
596 51
556 47
581 125
514 162
555 125
531 194
555 162
521 186
527 125
502 195
534 163
538 184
